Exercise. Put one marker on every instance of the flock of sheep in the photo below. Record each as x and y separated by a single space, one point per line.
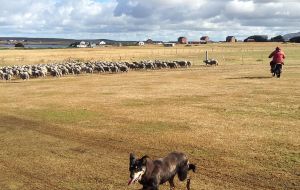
76 67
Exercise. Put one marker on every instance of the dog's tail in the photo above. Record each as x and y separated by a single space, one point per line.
192 167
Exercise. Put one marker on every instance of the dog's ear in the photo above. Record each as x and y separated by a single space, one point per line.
144 160
132 158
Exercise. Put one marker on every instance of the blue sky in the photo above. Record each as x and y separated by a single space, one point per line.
143 19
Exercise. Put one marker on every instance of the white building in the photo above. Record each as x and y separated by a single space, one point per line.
141 43
169 44
102 43
82 44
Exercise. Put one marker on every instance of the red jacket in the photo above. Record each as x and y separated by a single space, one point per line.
278 56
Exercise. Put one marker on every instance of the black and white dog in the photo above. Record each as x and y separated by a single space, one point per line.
151 173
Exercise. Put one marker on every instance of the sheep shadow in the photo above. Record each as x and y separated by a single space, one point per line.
10 82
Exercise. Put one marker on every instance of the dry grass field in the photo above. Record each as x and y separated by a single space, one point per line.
237 123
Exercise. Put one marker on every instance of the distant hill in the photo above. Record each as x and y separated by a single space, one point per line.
295 39
37 40
287 37
60 41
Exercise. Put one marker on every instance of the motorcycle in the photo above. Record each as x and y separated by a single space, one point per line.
277 70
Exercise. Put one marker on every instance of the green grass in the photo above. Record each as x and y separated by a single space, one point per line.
57 115
156 127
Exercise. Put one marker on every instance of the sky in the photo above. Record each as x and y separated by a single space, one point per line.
164 20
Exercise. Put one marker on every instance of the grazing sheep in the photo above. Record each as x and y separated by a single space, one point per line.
58 69
99 68
56 72
24 75
172 65
64 70
35 73
164 65
211 62
114 69
89 70
123 68
189 64
42 73
131 66
141 66
16 71
1 75
7 76
181 63
10 72
77 70
149 65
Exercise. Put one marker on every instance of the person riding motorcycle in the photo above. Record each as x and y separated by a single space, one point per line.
278 59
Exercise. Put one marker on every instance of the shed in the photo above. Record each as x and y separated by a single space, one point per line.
169 44
204 39
231 39
257 38
250 40
182 40
149 41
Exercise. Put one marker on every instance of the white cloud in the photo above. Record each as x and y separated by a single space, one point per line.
240 7
135 19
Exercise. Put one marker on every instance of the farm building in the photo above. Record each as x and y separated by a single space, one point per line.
169 44
249 40
231 39
102 43
149 41
141 43
257 38
204 39
82 44
93 45
182 40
